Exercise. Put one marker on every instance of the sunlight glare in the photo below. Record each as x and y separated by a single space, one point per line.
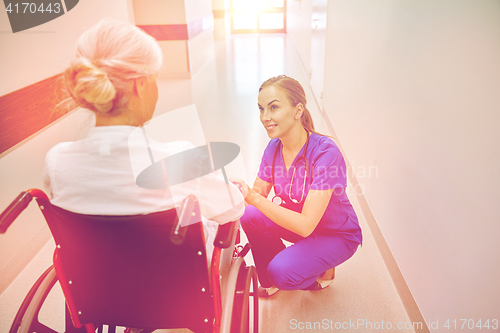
256 6
258 14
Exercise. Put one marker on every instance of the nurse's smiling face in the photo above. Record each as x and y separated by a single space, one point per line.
277 114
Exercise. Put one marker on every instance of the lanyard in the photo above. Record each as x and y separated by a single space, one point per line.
276 198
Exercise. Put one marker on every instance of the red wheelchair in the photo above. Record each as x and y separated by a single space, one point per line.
144 271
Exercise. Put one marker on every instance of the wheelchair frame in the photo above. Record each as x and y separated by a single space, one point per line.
230 306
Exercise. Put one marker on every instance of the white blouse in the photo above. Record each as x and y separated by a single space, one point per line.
97 175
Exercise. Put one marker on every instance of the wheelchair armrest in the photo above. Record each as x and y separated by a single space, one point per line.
15 208
225 233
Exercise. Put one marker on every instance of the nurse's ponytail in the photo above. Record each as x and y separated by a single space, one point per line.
307 121
295 94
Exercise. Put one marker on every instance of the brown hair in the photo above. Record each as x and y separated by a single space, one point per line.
295 94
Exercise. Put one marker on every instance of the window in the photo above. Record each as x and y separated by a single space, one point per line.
261 16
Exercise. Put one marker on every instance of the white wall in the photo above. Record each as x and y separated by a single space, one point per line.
222 26
175 52
412 88
201 47
159 12
299 29
196 9
28 57
182 58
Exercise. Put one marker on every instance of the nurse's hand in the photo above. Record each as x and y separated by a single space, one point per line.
242 186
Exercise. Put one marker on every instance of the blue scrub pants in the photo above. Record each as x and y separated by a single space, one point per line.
299 265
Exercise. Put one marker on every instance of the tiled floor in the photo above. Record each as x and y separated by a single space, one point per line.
362 298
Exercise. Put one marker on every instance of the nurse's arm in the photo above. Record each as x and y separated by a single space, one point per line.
262 187
302 223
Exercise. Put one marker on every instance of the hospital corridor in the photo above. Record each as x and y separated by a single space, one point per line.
408 91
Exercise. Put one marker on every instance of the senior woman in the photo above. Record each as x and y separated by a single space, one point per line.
113 74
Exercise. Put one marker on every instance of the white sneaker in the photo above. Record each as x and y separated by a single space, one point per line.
266 292
326 278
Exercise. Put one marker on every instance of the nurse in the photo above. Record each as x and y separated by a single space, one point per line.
310 208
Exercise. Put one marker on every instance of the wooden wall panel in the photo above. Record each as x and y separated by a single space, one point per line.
26 111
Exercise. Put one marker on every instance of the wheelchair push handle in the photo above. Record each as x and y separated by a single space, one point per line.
15 208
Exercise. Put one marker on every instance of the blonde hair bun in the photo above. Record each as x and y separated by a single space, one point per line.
91 87
108 57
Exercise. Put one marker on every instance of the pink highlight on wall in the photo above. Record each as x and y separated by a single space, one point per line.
167 31
163 32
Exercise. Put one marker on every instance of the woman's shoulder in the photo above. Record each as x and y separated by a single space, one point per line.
59 149
322 143
271 146
273 143
53 156
326 153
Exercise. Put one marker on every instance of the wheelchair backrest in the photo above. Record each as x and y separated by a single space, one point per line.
127 271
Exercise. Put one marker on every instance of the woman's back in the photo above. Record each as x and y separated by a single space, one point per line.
94 175
97 175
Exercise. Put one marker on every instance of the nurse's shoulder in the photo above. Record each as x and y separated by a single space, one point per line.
271 148
321 144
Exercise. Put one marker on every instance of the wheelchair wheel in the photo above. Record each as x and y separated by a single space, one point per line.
242 308
237 314
27 317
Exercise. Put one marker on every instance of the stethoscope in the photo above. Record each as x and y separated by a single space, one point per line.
277 199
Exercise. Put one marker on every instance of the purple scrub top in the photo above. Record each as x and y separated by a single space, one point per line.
327 170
